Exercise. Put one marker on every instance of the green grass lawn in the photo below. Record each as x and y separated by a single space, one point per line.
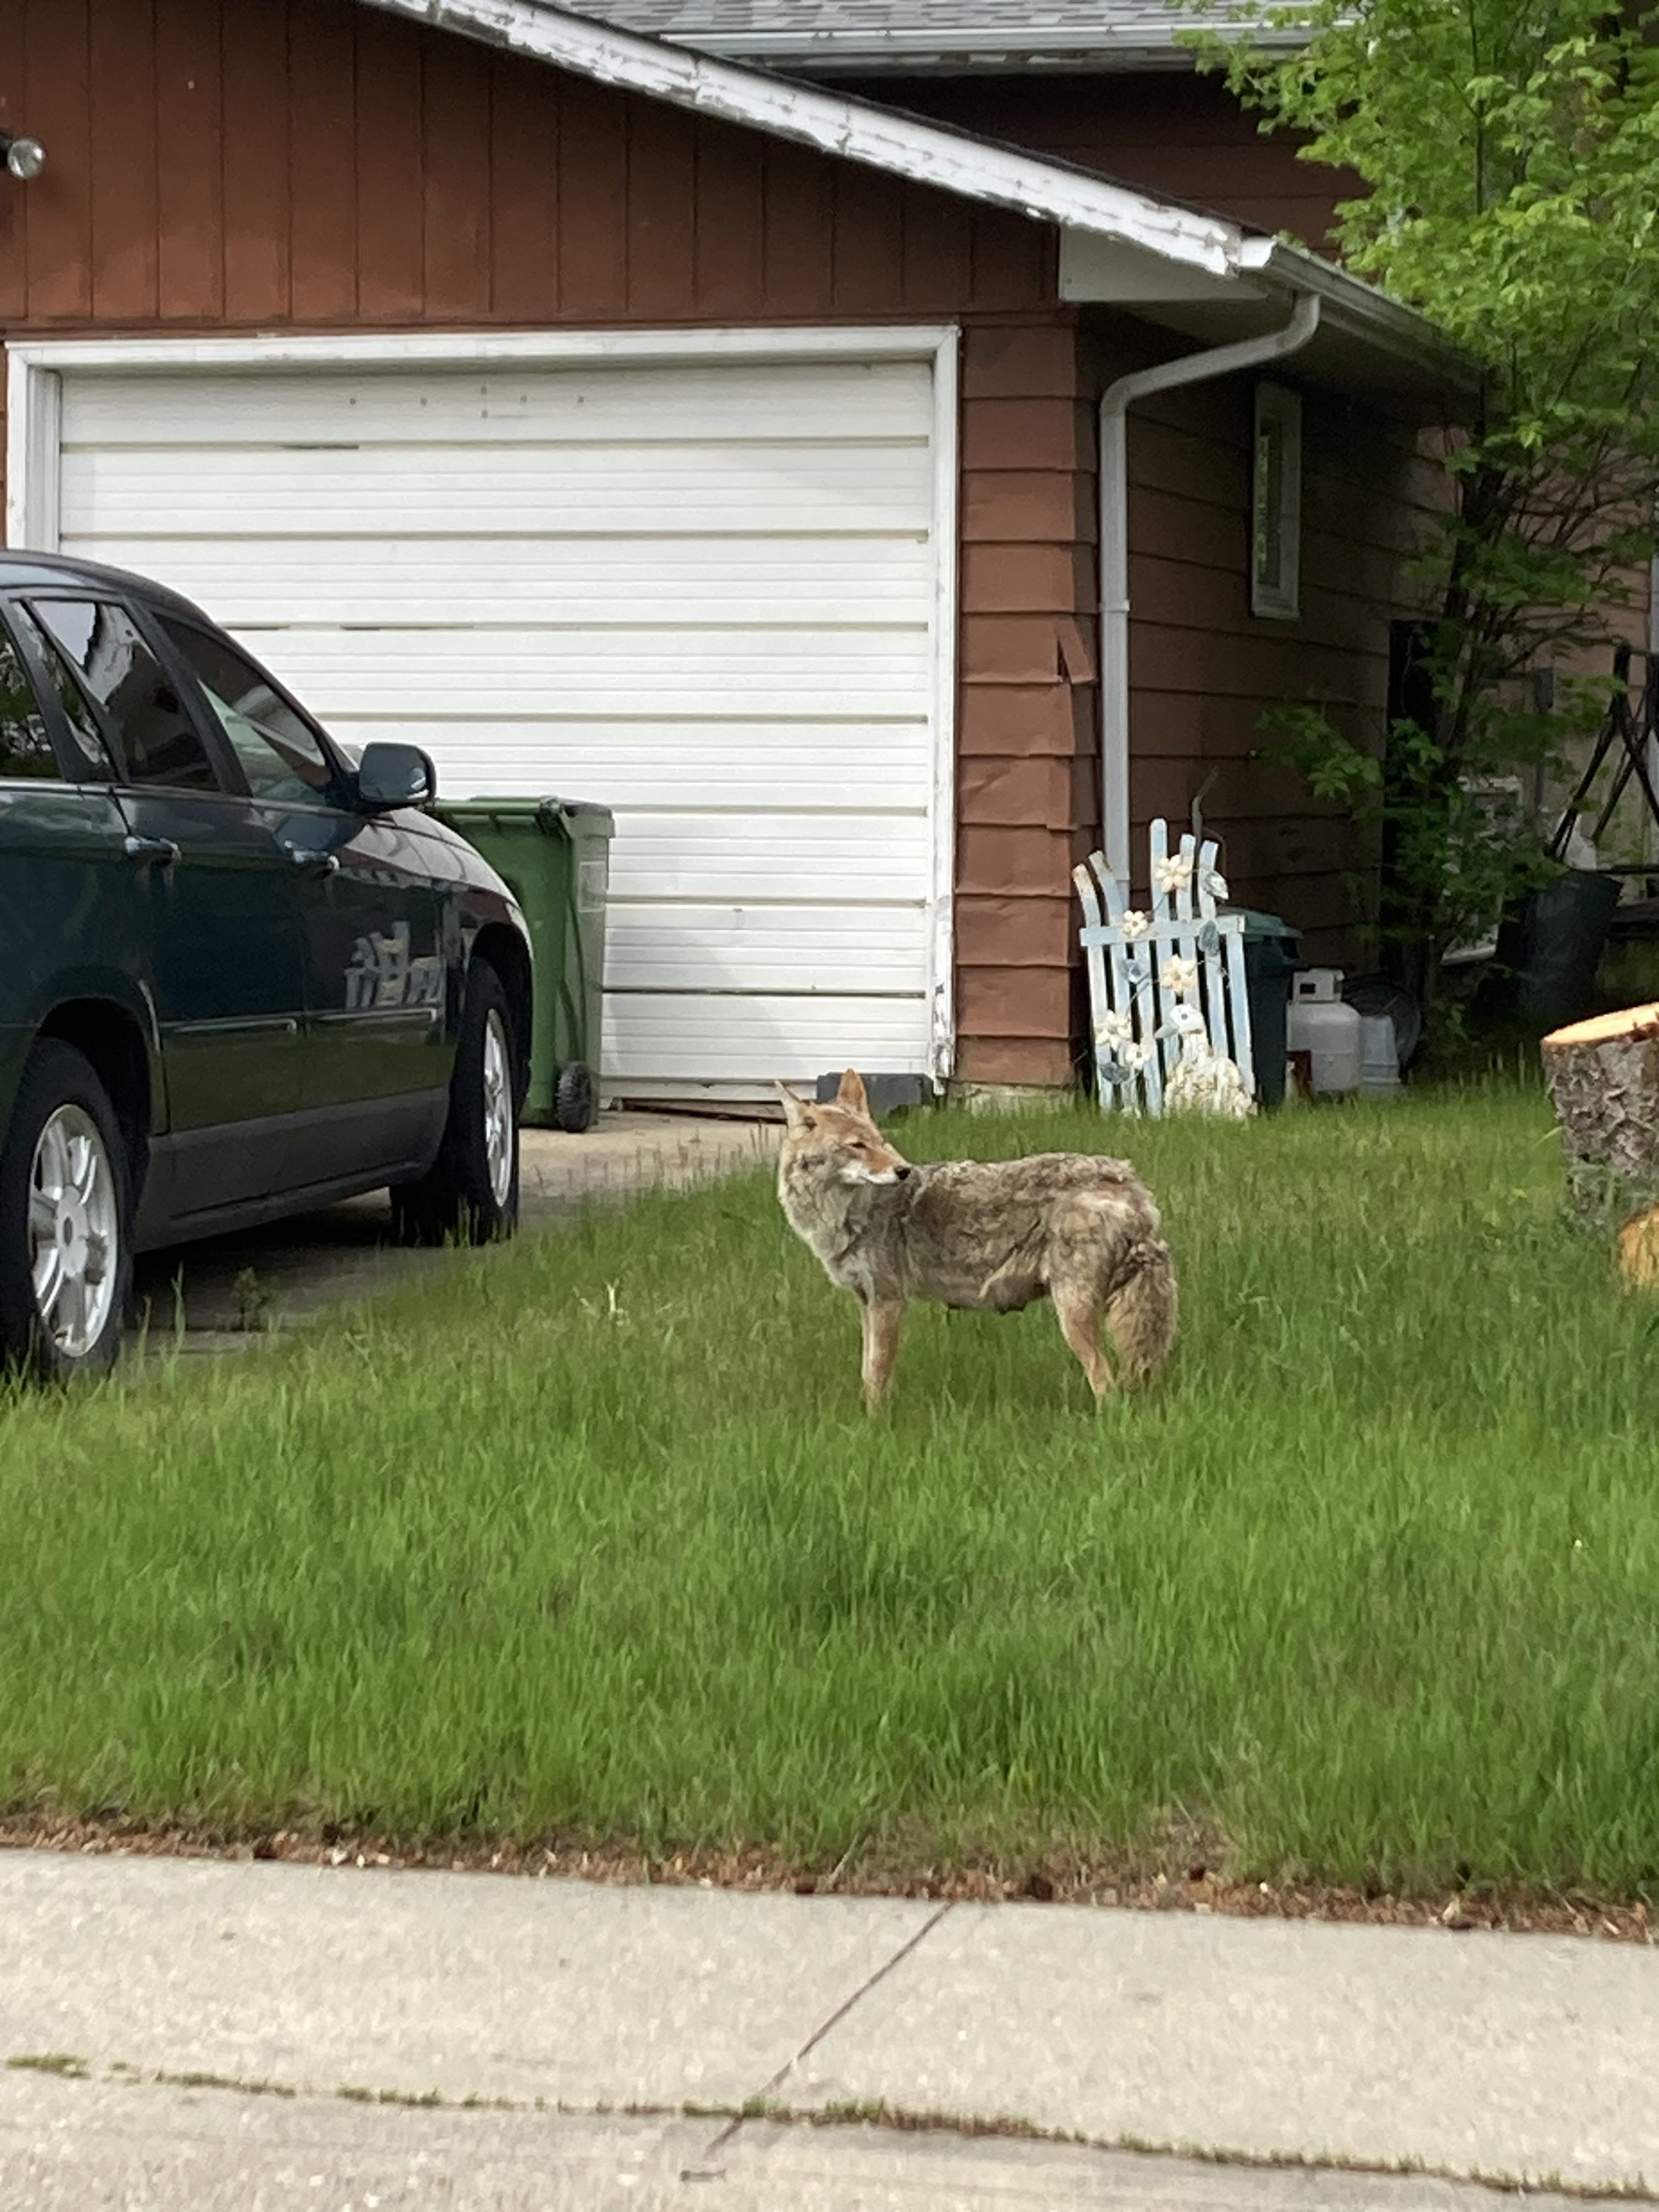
591 1534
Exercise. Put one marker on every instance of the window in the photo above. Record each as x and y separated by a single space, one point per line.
92 763
1276 505
281 755
153 734
26 747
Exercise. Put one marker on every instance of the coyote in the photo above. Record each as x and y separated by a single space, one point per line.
991 1235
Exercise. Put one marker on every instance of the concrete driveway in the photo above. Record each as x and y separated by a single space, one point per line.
229 1292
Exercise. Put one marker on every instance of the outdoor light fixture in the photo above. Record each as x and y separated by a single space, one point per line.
25 157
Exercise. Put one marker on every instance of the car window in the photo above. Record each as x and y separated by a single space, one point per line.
154 735
26 746
281 755
94 761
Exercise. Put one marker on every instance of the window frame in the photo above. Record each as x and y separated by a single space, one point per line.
1276 503
220 757
334 800
47 706
72 762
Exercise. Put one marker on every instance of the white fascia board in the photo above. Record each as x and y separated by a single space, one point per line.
852 130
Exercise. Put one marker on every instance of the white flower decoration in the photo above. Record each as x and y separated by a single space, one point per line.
1179 975
1114 1028
1173 875
1135 925
1137 1054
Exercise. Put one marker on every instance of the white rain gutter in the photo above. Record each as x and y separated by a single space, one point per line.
1115 404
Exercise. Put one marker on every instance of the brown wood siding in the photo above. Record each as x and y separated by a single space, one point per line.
1027 698
1203 670
1175 133
233 164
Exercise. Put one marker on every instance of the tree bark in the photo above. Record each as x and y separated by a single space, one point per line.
1603 1078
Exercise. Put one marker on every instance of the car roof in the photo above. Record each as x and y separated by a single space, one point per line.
23 571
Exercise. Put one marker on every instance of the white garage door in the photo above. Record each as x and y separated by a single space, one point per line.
704 594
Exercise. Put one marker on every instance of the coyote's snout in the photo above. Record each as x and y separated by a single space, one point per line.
988 1234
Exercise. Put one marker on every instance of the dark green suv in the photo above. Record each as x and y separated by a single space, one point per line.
243 976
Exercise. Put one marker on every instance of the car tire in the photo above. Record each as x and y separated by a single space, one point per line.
575 1098
471 1196
65 1222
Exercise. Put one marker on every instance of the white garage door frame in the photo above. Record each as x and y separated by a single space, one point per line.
33 390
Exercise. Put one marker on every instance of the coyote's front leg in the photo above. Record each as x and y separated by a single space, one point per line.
882 1321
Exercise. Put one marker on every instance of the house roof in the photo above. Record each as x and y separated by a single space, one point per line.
924 36
1161 259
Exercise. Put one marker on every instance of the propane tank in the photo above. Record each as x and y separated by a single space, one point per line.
1329 1031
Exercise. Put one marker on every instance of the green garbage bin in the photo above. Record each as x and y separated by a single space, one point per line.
1271 947
554 856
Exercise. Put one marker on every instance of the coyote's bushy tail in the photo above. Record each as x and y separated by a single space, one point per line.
1140 1315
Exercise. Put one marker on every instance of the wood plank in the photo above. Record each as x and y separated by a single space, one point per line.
524 167
798 247
868 242
660 240
258 208
593 202
755 1038
458 185
730 224
116 78
579 403
391 57
704 491
322 126
190 134
14 102
937 252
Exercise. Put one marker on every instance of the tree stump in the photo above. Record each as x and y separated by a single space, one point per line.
1603 1078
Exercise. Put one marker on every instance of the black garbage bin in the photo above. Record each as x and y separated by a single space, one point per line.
1271 946
1549 948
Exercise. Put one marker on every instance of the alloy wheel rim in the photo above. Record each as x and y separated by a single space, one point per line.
498 1108
74 1231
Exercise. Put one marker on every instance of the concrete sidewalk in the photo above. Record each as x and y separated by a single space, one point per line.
194 2033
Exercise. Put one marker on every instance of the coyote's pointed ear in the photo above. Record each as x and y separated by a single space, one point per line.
793 1112
853 1093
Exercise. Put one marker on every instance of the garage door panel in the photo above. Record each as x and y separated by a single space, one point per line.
795 1039
769 949
704 595
446 491
463 678
787 767
491 405
318 583
811 858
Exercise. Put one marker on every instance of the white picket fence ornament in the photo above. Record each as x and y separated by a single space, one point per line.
1168 1010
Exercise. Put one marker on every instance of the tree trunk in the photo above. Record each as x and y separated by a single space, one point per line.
1603 1078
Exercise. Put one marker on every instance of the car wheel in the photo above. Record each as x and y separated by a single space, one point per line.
575 1098
471 1194
65 1250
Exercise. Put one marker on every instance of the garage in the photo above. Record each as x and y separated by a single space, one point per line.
700 581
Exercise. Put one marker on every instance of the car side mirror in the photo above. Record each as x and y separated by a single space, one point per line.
390 775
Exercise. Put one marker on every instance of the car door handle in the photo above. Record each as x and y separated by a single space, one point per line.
314 864
160 849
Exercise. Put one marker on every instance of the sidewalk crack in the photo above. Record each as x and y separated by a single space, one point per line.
754 2107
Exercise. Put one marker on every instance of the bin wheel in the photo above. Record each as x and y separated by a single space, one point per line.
575 1098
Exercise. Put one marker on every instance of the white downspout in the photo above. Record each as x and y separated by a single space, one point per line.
1115 404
